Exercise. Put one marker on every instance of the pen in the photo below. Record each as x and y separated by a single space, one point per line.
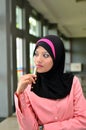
34 72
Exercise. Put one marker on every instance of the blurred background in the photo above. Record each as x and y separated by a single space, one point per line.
22 23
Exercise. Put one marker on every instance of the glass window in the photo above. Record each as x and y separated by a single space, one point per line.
67 45
19 56
35 27
67 61
32 46
45 30
18 17
52 31
67 55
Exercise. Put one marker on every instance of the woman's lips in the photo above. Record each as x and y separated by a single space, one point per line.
39 66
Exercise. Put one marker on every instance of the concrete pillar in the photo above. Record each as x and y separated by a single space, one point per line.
5 57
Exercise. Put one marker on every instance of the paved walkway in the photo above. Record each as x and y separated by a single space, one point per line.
9 123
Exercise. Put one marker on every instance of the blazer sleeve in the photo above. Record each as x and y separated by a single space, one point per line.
25 116
78 122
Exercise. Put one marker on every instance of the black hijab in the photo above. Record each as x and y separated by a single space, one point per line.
54 84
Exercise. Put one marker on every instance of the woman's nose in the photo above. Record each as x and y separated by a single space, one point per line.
39 58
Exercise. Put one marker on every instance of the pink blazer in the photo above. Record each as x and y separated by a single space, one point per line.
61 114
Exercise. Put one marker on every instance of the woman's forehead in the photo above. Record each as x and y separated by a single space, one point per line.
40 48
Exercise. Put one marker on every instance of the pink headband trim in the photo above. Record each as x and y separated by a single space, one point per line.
49 43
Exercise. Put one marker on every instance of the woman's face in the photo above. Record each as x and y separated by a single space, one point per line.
42 60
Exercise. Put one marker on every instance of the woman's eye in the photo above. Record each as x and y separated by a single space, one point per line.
46 55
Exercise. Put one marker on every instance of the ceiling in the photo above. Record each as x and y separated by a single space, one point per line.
70 15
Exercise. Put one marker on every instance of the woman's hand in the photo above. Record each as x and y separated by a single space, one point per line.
24 81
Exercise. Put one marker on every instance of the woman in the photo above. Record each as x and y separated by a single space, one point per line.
50 98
